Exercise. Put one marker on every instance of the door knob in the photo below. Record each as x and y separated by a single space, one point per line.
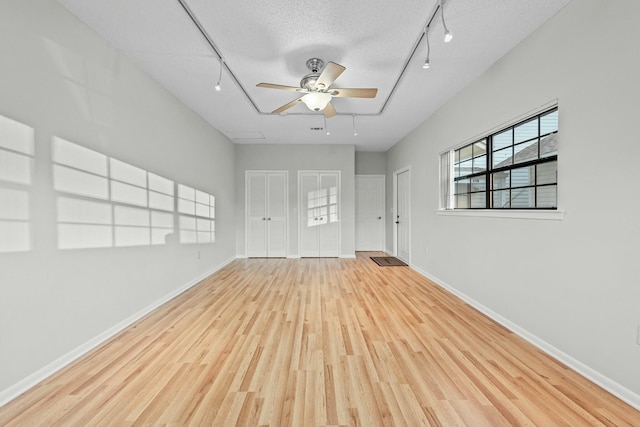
268 219
379 217
264 219
397 222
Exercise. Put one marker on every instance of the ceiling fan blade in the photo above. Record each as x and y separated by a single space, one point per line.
354 93
329 111
331 72
281 87
286 106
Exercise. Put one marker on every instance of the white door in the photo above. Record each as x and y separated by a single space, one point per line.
276 210
328 229
319 200
370 212
266 217
403 215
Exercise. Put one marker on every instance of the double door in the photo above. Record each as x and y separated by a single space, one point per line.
266 207
319 210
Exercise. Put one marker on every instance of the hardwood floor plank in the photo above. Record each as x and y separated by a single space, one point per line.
282 342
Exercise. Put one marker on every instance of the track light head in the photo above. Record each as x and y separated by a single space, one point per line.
447 36
426 64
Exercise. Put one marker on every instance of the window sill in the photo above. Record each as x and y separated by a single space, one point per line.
556 215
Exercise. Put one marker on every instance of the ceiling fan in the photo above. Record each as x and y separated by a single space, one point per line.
315 86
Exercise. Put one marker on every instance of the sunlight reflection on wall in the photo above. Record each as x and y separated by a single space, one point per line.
16 172
322 206
104 202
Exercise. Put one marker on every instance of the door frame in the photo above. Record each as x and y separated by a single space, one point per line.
395 210
384 206
246 205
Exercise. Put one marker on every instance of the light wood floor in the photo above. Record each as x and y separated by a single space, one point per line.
316 342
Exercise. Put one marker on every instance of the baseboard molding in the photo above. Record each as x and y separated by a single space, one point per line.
348 256
591 374
20 387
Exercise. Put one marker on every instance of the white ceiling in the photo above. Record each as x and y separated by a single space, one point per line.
271 40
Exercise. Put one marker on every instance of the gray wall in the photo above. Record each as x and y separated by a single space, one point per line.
574 282
60 79
371 163
294 158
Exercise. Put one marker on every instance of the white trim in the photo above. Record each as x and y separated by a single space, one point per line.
348 256
589 373
505 213
293 256
41 374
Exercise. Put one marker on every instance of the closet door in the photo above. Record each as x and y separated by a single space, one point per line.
276 210
266 213
319 213
328 228
310 202
256 214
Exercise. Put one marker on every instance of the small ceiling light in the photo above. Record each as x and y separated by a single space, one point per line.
316 101
325 125
355 132
447 35
426 61
217 86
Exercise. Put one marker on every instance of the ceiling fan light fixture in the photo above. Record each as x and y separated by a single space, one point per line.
316 101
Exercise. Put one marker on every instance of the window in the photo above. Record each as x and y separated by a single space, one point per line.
514 168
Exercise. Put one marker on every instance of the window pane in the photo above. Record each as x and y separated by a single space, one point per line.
547 196
501 199
456 170
466 168
547 173
525 151
501 180
526 131
523 177
549 123
462 201
479 148
478 200
502 158
462 186
549 146
466 152
503 139
457 159
478 183
480 164
523 198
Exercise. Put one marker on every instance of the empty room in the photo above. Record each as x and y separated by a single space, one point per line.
286 213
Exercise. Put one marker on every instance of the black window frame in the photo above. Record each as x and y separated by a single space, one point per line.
465 181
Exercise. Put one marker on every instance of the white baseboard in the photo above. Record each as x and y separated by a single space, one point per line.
293 256
25 384
591 374
348 256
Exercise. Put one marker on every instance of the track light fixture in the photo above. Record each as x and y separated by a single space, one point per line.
447 35
426 61
355 132
325 125
217 86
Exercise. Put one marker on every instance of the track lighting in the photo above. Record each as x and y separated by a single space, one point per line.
217 86
447 35
426 61
355 132
325 125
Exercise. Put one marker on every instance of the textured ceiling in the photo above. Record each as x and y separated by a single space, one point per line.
271 40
